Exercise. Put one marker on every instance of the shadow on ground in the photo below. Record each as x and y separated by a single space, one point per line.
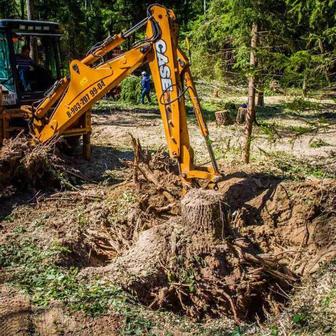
103 159
242 189
106 165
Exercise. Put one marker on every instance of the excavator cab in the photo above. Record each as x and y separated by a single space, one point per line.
29 65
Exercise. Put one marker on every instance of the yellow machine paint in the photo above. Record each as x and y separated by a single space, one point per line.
91 78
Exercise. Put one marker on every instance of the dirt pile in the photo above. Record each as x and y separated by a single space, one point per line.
194 265
25 165
232 251
295 221
15 313
236 252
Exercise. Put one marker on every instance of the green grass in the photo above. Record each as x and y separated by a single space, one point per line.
293 168
300 104
299 130
34 271
317 143
108 105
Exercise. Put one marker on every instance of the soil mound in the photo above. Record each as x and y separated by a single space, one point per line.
237 252
187 266
294 220
15 313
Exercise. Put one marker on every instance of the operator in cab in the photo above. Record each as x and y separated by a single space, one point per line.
33 76
145 87
24 65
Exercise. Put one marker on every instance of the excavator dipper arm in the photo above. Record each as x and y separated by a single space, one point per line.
90 80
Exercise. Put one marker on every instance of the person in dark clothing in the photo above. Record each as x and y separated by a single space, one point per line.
145 87
24 65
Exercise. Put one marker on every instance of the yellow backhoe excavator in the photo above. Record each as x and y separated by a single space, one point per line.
65 108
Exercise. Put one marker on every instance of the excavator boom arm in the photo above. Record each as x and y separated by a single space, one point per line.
90 80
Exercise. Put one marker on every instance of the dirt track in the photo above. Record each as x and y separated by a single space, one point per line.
111 128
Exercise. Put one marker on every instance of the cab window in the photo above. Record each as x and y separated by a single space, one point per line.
39 71
6 75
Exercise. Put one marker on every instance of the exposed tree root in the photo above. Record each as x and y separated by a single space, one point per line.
185 266
27 165
157 181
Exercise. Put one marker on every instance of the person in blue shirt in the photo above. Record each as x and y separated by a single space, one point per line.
145 87
24 65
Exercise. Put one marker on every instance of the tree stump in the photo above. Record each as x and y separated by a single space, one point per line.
275 87
241 115
216 93
223 118
203 213
260 99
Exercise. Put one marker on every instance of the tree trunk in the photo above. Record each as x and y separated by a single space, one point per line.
322 50
251 95
304 85
203 213
30 9
33 42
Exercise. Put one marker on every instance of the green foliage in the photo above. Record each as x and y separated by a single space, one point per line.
236 332
230 106
35 272
317 143
223 34
296 41
136 325
87 22
270 130
296 169
298 319
301 67
296 38
8 9
274 331
131 89
299 104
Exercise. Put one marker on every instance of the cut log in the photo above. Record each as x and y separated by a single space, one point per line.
203 213
241 115
223 118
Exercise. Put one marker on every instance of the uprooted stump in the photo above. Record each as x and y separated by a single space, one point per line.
168 269
25 165
157 180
